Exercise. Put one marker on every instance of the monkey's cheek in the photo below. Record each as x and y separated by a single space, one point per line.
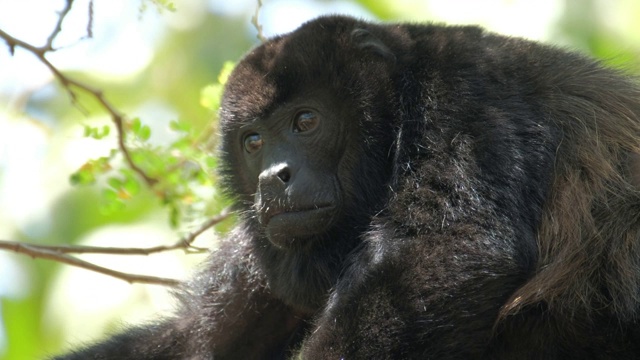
285 229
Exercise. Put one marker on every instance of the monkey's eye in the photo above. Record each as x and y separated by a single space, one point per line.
252 143
305 121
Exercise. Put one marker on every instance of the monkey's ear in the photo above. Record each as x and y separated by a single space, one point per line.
363 39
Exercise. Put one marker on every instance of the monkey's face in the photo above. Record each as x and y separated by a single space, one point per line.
306 133
291 157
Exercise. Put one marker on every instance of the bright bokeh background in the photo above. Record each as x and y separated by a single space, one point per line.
153 65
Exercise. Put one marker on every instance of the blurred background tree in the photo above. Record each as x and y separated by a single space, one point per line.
161 69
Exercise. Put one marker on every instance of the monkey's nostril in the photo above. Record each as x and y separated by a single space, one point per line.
284 175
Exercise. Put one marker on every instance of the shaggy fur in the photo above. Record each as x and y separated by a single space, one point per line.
490 206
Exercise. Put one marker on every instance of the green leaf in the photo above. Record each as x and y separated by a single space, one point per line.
173 178
115 183
106 129
109 195
211 162
203 178
135 125
110 202
84 176
227 68
88 130
174 216
181 126
144 133
154 164
162 5
210 96
131 186
181 144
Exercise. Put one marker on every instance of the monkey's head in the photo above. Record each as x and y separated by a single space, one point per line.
306 130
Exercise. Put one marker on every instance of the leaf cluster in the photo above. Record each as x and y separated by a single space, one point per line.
181 174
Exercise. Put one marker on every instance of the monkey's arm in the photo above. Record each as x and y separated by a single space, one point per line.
412 301
226 312
432 277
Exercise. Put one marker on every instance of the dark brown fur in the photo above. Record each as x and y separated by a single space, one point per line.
589 237
488 204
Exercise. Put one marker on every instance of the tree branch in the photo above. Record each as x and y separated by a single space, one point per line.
184 243
63 13
42 252
68 83
60 253
256 23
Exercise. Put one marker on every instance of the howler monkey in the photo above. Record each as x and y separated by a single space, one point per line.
417 192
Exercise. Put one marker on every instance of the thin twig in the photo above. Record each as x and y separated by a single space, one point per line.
60 253
68 83
63 13
184 243
256 23
190 238
90 21
37 251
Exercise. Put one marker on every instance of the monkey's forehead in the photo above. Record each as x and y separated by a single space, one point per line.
356 61
321 54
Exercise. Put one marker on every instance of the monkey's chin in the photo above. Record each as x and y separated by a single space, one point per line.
288 229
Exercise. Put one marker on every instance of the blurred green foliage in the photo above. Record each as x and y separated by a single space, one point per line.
106 190
172 172
187 73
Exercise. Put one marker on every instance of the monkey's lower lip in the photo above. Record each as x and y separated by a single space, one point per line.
284 227
302 212
292 215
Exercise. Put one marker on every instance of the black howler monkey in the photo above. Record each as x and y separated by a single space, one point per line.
417 192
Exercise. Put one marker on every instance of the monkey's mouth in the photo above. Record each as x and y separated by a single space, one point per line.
298 212
283 226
